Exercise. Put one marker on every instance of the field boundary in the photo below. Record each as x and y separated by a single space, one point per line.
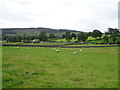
61 46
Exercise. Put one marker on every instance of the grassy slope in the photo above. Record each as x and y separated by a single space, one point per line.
93 40
43 67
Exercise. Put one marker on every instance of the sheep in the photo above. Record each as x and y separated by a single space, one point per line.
70 49
74 52
17 47
81 50
54 48
57 50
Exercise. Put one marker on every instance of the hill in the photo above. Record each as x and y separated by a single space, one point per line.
33 30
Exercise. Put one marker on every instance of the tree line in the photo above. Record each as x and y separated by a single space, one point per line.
111 36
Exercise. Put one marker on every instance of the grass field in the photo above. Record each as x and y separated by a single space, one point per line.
45 68
22 43
89 45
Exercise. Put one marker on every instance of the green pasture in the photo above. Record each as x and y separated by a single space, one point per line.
35 67
22 43
89 45
64 40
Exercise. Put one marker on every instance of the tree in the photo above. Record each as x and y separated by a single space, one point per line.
106 33
19 38
106 39
118 39
112 30
11 39
73 35
32 37
4 37
63 36
89 33
43 36
82 36
68 36
51 35
114 37
96 33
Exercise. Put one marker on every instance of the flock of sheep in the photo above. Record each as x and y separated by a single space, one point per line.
56 50
70 50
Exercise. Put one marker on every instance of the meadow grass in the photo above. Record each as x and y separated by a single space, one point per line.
89 45
22 43
64 40
45 68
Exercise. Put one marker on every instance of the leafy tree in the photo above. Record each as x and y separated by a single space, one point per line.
43 36
82 36
106 39
89 33
63 36
118 39
73 35
106 33
68 36
51 35
96 33
112 30
28 38
19 38
11 39
32 37
4 37
114 37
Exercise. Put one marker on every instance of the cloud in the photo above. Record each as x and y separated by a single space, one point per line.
82 15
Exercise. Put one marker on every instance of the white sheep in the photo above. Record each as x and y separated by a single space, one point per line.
74 52
81 50
17 47
70 49
57 50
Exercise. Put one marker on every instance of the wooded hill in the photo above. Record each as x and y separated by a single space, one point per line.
34 30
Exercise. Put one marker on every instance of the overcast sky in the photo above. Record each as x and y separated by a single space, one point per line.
81 15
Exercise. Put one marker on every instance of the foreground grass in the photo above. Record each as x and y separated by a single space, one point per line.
45 68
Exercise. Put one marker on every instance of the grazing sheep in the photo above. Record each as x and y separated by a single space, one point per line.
17 47
57 50
74 52
81 50
70 49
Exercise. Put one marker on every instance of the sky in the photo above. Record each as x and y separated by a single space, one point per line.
80 15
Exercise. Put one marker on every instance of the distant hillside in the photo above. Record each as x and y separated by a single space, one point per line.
33 30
